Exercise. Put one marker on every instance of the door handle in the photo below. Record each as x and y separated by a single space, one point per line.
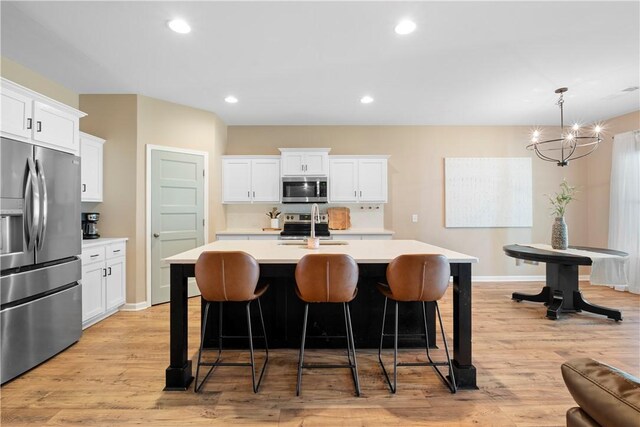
31 213
360 193
254 194
104 272
109 271
38 126
45 202
84 188
156 235
355 193
29 123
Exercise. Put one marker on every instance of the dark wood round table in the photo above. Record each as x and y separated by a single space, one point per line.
562 292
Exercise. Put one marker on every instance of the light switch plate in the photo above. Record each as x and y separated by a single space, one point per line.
414 218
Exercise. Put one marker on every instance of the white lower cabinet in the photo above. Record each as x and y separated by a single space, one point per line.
104 274
247 237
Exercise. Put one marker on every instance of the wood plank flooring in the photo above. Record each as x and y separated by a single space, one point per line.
114 376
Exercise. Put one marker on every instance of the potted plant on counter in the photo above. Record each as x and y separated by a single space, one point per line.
559 202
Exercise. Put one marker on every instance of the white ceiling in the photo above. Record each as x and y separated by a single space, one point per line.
468 63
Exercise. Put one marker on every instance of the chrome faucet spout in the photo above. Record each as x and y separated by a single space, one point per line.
315 216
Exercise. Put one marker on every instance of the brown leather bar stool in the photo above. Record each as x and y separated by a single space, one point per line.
230 276
416 278
328 278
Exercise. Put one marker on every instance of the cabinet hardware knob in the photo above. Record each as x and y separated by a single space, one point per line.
156 235
109 271
104 272
38 126
29 123
84 188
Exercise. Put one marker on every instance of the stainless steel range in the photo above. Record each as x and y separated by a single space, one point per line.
297 226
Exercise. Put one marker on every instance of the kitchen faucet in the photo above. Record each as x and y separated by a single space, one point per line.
315 216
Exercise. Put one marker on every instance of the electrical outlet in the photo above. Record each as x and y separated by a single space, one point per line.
414 218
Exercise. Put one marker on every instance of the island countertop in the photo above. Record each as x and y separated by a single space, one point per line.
281 252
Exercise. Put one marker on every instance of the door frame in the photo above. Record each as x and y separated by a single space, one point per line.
150 148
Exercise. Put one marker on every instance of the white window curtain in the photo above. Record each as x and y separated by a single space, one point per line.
624 202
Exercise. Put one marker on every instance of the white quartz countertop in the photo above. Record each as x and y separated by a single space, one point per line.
279 252
102 241
336 232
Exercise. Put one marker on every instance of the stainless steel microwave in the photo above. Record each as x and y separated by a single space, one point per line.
304 189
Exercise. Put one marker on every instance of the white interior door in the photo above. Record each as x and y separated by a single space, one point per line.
177 214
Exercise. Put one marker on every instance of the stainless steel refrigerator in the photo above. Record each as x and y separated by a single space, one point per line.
41 237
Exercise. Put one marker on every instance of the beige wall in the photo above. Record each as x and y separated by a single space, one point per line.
416 180
129 123
114 118
173 125
598 179
34 81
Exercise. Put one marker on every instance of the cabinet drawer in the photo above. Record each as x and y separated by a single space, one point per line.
116 250
94 254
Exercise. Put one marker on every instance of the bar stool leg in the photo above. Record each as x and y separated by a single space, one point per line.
395 352
196 388
354 369
253 364
452 379
301 356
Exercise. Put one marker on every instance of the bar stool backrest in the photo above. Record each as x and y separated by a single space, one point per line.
227 276
327 278
418 277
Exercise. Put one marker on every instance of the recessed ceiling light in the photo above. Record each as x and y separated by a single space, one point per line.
231 99
405 26
179 26
366 99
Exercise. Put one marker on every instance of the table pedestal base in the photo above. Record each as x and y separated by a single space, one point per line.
561 294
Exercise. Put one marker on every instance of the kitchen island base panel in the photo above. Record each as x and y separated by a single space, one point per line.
281 310
283 313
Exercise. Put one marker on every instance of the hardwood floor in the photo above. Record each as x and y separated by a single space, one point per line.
115 374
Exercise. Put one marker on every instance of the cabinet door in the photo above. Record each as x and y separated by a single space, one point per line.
55 127
115 282
16 114
293 163
91 170
372 180
316 163
236 180
93 303
265 180
343 180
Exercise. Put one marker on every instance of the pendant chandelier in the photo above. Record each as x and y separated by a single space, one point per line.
571 145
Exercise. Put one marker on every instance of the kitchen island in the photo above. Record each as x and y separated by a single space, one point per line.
278 260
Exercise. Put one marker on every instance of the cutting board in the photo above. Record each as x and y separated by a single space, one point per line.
339 218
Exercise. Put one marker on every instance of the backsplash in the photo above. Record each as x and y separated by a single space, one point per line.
254 215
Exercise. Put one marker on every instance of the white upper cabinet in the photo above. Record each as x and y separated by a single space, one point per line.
236 180
343 180
358 179
91 155
265 180
372 180
250 179
16 114
30 117
300 162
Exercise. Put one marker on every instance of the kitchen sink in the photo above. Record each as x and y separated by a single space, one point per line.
304 243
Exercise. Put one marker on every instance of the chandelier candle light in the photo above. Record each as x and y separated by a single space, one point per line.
570 146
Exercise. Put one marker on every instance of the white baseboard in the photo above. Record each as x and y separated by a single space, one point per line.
137 306
540 278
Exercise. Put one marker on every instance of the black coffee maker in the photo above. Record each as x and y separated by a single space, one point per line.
90 225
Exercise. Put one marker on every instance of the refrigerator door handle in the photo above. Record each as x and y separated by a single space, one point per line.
32 205
45 201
